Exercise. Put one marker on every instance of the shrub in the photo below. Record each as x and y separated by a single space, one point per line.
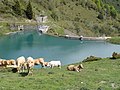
29 11
100 16
107 8
91 58
54 16
17 8
113 12
98 3
115 55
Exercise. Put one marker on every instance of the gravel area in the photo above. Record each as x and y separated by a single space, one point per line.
67 32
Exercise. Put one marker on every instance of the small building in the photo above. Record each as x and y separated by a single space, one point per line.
20 27
41 19
43 28
81 37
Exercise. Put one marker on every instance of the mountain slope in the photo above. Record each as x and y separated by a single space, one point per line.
83 17
115 3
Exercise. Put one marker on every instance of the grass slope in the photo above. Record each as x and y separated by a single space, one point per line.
114 40
96 75
78 16
116 3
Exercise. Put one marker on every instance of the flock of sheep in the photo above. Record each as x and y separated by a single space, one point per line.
21 64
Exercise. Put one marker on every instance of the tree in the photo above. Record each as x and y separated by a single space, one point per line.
113 12
5 2
17 8
54 16
77 27
107 9
100 16
29 11
98 3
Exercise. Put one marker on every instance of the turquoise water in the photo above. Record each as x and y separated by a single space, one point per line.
52 48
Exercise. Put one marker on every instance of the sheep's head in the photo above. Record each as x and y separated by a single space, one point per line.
80 66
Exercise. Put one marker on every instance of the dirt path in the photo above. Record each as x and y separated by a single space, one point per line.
67 32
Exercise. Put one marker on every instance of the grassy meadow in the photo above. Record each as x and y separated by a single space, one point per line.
103 74
114 40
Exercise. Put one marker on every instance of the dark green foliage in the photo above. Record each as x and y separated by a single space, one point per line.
101 16
115 55
90 4
5 2
17 8
54 16
107 8
115 3
91 58
98 3
29 11
113 12
77 27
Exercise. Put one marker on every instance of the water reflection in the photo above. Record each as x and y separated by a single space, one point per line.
53 48
29 40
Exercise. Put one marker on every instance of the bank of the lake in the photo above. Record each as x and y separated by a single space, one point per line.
31 43
97 75
8 27
114 40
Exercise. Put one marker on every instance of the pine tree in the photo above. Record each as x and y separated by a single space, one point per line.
29 11
98 3
113 12
17 8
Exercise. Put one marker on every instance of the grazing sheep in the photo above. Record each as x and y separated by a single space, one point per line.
46 63
4 62
54 63
30 63
36 62
0 62
75 68
11 62
20 62
39 61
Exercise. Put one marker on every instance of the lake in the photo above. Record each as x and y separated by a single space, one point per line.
31 43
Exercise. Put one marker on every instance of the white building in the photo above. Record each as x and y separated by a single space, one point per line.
43 28
41 19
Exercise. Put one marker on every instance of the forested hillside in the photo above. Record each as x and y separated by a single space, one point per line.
115 3
83 17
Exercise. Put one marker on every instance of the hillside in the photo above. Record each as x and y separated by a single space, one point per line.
83 17
115 3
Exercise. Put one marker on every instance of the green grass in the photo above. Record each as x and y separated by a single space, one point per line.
114 40
78 16
4 28
96 75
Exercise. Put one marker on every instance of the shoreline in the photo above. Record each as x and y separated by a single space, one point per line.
68 36
85 38
12 32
